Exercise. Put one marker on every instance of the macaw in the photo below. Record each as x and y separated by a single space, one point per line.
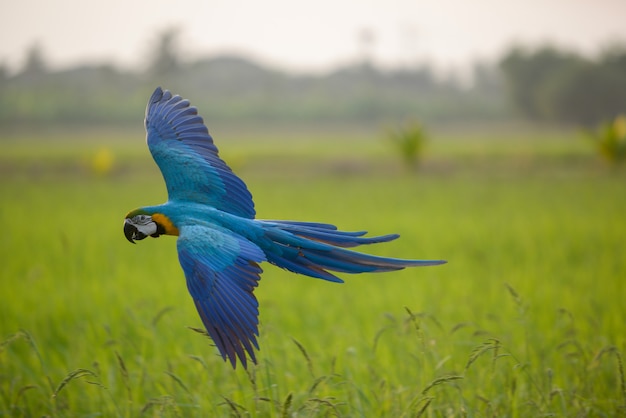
220 243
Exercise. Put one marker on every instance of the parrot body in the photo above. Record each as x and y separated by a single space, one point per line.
220 243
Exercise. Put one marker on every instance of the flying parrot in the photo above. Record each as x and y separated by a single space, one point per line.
220 243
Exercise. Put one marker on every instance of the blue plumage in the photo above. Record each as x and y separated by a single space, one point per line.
220 244
184 151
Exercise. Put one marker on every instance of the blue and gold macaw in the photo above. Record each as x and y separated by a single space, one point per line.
220 243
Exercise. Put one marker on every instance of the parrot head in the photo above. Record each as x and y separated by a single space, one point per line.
140 224
139 227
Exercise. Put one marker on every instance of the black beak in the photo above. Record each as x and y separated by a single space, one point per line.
130 231
133 233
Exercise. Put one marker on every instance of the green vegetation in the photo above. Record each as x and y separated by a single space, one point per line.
541 83
610 140
235 89
527 319
409 140
549 84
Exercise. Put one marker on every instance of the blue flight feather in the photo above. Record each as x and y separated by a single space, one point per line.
220 244
222 271
184 151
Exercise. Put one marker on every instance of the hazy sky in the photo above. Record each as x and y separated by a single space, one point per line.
305 36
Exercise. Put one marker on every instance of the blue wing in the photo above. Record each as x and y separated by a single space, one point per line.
184 151
222 271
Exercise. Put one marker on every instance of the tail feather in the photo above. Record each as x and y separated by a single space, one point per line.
315 249
329 234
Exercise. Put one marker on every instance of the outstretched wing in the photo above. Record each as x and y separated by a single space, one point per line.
184 151
222 271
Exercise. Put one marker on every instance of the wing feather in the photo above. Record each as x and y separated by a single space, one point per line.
222 272
184 151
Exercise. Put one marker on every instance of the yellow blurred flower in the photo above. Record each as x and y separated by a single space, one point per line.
102 162
619 126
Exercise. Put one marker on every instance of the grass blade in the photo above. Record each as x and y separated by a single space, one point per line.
76 374
306 356
440 381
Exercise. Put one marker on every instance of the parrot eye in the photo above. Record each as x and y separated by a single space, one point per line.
141 219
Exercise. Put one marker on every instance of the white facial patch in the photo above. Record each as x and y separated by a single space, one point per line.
144 224
147 229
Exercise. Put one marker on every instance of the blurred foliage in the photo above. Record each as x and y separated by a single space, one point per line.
610 140
552 85
409 140
35 61
546 84
234 89
166 55
231 89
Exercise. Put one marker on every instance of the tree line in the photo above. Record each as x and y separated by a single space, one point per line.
548 84
545 84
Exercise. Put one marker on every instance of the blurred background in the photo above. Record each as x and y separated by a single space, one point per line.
488 133
352 63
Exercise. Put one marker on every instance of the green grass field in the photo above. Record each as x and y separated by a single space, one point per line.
526 319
